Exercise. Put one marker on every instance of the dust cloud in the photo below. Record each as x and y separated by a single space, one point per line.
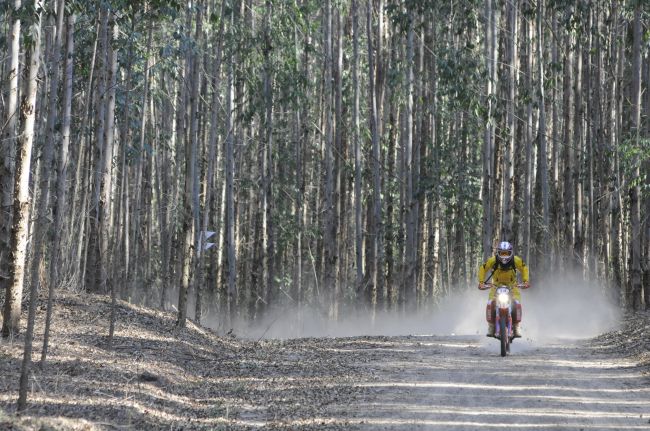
569 307
565 307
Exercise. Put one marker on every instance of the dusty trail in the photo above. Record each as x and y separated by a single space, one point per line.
461 383
331 377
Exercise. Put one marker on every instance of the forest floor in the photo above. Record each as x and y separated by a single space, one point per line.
154 377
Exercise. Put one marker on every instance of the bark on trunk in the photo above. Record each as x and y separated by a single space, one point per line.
61 184
8 142
636 288
11 321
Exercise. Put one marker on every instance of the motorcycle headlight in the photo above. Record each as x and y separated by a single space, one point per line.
503 298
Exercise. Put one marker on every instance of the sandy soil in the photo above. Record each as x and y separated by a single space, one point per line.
154 377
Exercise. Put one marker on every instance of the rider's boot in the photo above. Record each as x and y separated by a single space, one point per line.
490 331
516 330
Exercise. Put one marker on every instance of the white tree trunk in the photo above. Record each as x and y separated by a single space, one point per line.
20 226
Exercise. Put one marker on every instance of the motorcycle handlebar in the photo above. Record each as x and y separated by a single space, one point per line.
486 286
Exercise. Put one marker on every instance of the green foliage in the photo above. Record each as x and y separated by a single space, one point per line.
634 154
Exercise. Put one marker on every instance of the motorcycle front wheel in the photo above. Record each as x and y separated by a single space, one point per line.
504 339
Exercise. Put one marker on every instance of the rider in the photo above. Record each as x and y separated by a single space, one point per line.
504 267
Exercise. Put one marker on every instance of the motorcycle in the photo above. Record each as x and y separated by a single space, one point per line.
502 314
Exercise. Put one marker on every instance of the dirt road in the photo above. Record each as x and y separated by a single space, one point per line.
462 383
156 378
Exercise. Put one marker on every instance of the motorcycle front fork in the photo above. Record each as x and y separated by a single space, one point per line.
497 325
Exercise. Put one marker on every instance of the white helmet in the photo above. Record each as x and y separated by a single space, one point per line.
504 252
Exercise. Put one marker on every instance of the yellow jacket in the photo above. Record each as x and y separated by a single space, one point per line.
503 276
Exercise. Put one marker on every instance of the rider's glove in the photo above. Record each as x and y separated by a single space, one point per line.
481 286
526 285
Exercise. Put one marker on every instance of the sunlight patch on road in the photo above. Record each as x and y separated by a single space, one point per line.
499 387
375 422
496 411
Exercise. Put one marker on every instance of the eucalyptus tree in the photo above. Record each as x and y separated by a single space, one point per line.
8 136
410 177
613 128
568 150
21 201
635 300
506 231
329 222
94 273
191 174
268 164
542 151
376 249
61 182
358 227
578 153
11 317
214 159
41 226
105 201
229 160
527 238
488 139
509 147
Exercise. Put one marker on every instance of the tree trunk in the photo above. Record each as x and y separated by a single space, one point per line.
267 174
11 321
410 279
567 153
105 201
543 168
377 225
21 206
614 137
190 180
636 288
358 227
509 147
41 227
329 226
61 183
92 270
488 138
508 157
132 247
231 274
8 143
212 154
578 240
528 133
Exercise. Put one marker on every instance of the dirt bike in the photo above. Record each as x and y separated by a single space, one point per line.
504 308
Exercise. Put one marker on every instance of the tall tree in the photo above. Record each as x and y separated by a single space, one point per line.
61 183
8 140
636 298
106 199
231 272
42 225
267 173
488 138
508 156
191 173
543 157
568 150
21 205
509 147
376 233
19 229
410 177
358 227
329 226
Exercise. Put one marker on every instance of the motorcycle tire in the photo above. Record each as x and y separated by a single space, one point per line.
504 339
